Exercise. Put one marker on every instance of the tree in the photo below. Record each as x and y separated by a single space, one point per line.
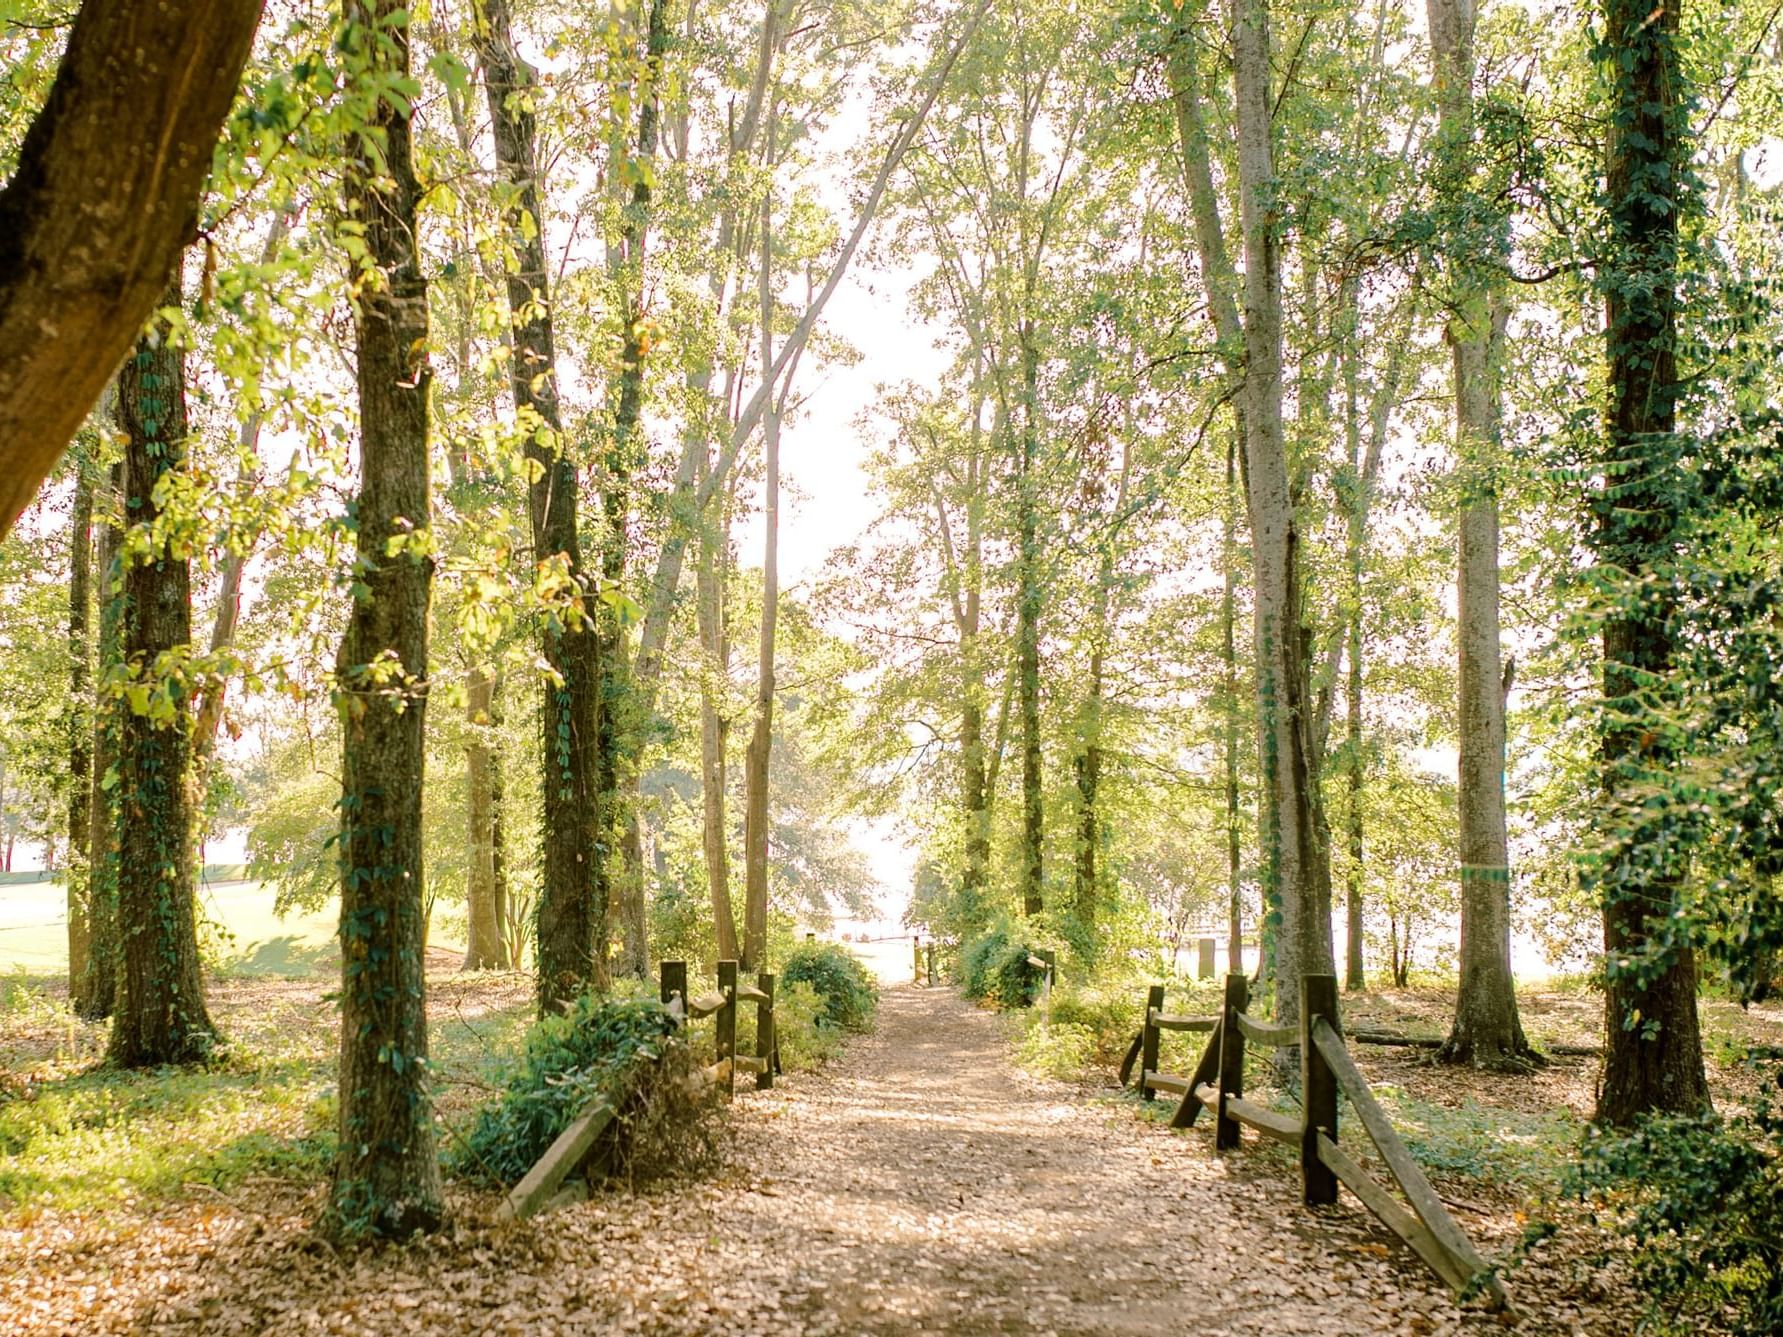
386 1174
102 202
572 908
1653 1056
1487 1032
80 731
159 1014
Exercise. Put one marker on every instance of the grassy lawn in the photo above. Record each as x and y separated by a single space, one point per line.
75 1136
238 925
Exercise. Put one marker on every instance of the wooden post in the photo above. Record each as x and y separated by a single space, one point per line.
1204 964
916 957
765 1046
1318 1090
674 984
726 1024
1226 1133
810 937
1148 1048
931 962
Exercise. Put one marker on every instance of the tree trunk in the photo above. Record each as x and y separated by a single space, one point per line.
714 727
102 202
387 1174
159 1015
571 936
487 948
80 730
1027 627
96 993
1297 872
621 728
761 742
1230 709
1653 1057
1356 537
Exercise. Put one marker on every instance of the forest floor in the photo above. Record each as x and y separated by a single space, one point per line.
919 1183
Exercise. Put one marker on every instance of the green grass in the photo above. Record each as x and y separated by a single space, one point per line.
241 932
77 1136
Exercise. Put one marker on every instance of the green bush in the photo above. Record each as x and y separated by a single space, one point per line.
995 968
1110 1013
848 992
1701 1198
620 1050
808 1039
1063 1050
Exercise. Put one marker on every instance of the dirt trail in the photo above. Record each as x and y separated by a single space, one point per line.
918 1185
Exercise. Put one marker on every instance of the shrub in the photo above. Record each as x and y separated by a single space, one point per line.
620 1050
1063 1050
1110 1014
808 1039
995 968
1701 1198
836 975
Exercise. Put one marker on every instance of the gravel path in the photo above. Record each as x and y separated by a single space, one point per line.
918 1185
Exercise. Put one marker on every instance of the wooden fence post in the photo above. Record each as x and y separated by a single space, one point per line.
765 1038
674 984
932 962
916 958
1318 1090
1204 962
1148 1048
1226 1134
726 1024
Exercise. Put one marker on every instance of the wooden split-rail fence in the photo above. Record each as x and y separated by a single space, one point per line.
1326 1069
544 1186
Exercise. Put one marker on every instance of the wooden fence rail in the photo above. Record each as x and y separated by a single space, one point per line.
543 1186
1326 1069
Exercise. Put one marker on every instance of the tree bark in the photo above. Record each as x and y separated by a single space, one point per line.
387 1174
621 723
487 948
714 727
160 1015
95 993
1297 872
1487 1032
1653 1056
571 938
1230 707
761 741
80 730
1027 627
102 202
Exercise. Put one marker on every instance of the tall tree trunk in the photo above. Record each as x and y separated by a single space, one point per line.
761 741
1027 626
1087 765
80 728
487 948
1297 872
621 728
97 992
1487 1031
160 1015
1653 1056
387 1173
1230 708
571 937
1355 539
714 727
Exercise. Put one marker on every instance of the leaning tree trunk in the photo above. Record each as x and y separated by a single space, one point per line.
159 1015
1297 874
95 993
1653 1057
387 1173
1229 693
571 940
80 731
